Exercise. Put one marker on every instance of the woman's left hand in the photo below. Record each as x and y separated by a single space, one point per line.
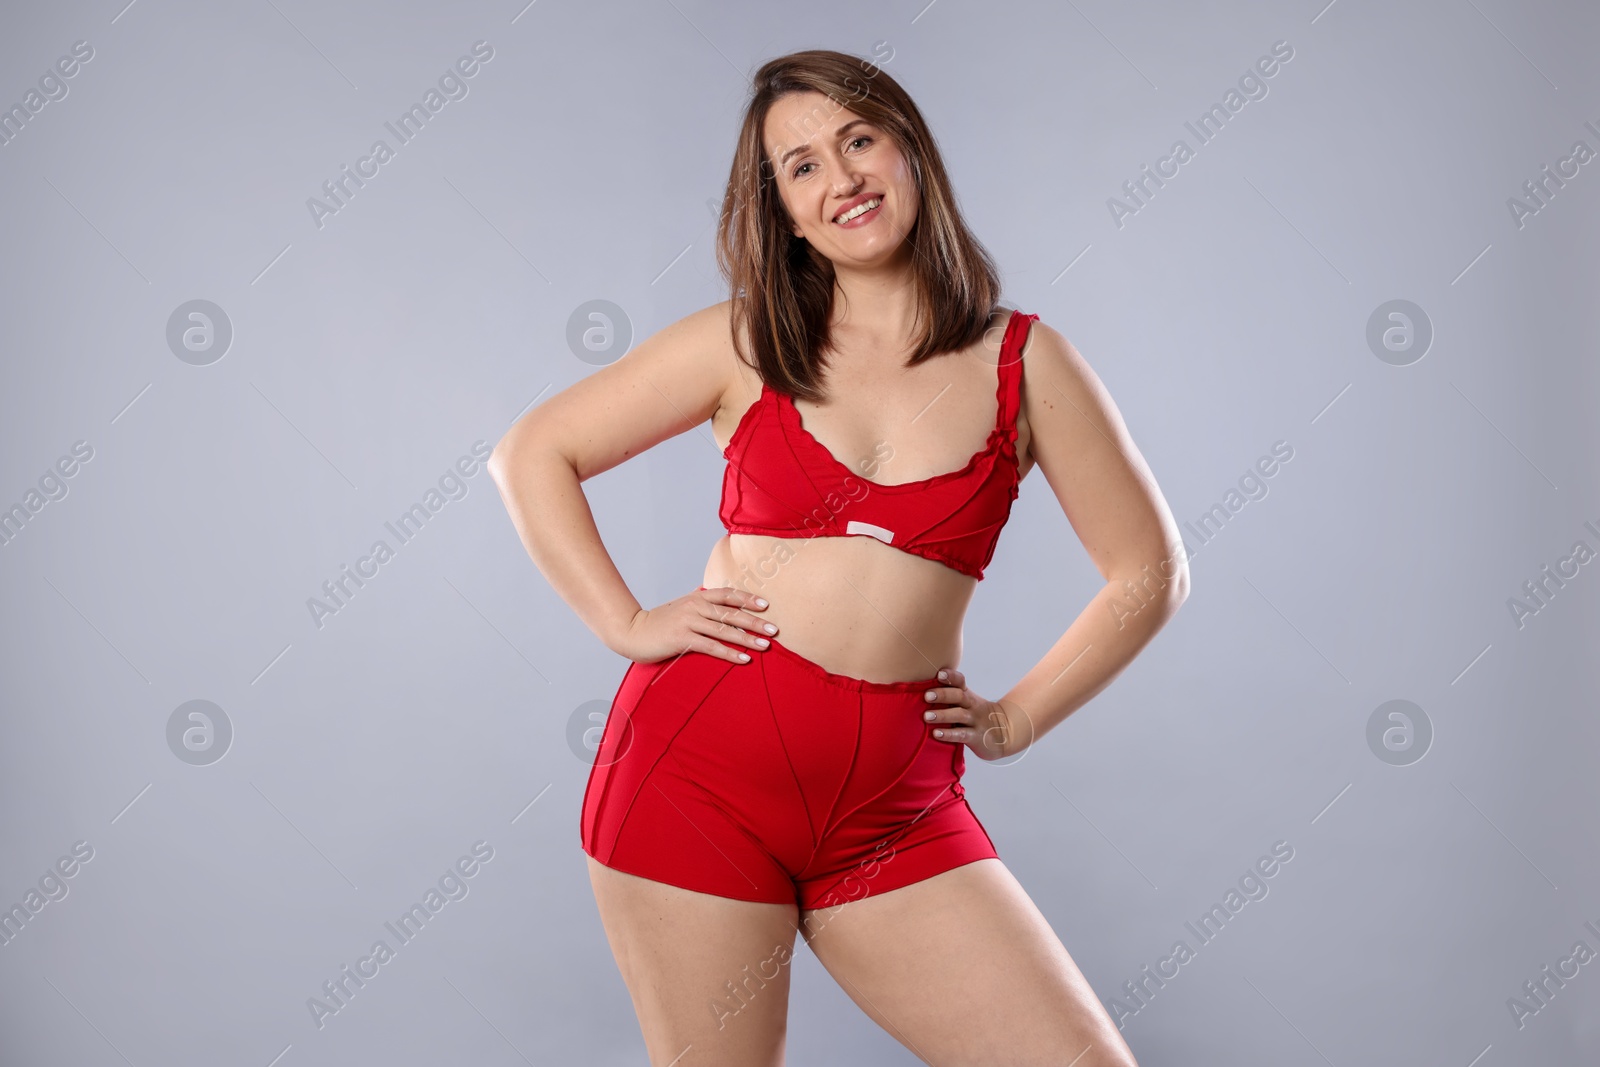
988 727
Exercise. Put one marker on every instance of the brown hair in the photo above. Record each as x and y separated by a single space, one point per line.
782 289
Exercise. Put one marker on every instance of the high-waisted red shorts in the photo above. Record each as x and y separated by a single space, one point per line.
776 781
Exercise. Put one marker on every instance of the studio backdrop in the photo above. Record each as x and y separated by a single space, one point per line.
281 685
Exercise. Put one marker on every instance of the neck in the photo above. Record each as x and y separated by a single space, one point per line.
877 304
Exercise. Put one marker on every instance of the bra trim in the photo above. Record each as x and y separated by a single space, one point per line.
1001 438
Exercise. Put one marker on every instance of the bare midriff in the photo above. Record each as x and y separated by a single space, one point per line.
852 605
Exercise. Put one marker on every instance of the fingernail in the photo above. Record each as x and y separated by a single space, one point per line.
771 629
744 657
760 603
931 695
763 642
944 675
928 715
938 733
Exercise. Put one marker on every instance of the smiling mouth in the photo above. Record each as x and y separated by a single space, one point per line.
859 210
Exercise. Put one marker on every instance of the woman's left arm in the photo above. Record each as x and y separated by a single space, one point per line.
1078 439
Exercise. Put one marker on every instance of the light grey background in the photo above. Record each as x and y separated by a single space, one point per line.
433 711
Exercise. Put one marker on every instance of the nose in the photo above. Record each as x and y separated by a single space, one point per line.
846 181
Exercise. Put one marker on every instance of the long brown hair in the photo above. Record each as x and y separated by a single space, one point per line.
781 288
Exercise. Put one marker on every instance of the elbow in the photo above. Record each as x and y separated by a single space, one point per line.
499 459
1179 585
1164 586
513 453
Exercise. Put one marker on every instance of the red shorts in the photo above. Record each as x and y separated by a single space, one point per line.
776 781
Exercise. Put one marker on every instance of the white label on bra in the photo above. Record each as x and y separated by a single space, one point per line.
855 527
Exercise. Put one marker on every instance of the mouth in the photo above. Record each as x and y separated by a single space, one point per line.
860 211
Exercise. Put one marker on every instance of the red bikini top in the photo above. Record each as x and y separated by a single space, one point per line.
781 482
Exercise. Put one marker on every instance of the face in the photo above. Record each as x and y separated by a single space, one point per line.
827 160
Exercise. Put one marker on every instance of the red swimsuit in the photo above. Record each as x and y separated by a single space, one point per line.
780 481
777 780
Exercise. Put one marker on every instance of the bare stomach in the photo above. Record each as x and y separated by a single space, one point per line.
852 605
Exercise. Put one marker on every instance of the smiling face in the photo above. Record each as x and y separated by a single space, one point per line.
828 162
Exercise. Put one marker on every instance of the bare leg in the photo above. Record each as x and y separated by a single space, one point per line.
962 969
709 976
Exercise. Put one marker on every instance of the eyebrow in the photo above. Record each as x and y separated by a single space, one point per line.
840 132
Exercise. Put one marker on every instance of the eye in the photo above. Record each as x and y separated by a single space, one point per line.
853 142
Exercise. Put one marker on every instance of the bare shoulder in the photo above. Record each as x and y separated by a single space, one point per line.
670 382
1053 372
1081 443
1049 360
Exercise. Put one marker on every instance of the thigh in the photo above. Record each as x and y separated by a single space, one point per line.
961 968
709 975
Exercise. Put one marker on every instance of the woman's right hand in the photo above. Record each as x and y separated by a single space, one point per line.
714 621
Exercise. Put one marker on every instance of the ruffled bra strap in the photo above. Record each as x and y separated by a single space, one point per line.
1010 372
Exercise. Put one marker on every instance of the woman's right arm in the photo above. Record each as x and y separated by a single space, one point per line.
667 384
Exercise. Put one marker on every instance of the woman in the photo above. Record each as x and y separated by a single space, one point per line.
749 786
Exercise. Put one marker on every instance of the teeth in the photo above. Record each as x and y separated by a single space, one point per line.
860 209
